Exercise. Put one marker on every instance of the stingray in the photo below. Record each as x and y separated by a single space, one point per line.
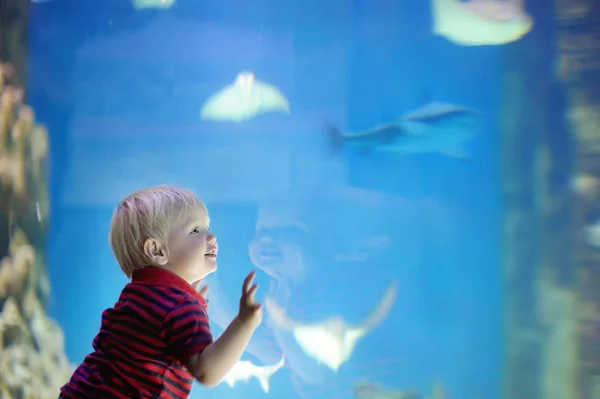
244 99
243 370
332 341
481 22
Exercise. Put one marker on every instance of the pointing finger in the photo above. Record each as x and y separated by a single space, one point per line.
248 282
250 294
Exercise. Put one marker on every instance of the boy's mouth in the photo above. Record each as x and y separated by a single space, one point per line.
211 254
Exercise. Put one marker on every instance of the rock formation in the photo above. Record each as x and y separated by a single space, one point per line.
33 363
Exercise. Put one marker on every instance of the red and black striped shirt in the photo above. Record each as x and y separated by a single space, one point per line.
145 342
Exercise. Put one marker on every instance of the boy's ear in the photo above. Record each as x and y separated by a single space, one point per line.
155 251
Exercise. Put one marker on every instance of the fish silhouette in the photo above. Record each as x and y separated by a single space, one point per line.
331 342
243 100
434 128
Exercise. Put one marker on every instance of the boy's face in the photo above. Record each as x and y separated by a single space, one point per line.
191 247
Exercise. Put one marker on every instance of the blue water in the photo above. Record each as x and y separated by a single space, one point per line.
121 93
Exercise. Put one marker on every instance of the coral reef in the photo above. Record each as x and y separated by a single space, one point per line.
578 68
558 311
33 363
551 187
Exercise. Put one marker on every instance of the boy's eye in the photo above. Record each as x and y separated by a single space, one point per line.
198 230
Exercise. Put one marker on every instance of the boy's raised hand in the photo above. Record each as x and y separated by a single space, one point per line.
250 310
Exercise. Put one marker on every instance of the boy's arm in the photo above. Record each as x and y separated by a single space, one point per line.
211 365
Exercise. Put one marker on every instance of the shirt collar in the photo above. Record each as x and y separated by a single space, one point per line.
161 277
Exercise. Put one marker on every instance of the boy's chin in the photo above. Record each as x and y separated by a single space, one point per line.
208 268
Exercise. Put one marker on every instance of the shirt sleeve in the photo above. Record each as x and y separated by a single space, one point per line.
187 330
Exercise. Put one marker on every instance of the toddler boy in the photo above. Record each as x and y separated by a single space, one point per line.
156 339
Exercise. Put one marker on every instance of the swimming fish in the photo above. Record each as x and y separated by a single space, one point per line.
244 99
158 4
244 370
331 342
433 128
481 22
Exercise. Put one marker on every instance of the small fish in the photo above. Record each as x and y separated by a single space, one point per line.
434 128
592 234
331 342
149 4
244 370
243 100
368 390
481 22
585 185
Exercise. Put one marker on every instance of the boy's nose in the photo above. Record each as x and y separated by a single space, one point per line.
212 238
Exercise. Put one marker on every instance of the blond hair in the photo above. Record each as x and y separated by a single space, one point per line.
148 213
